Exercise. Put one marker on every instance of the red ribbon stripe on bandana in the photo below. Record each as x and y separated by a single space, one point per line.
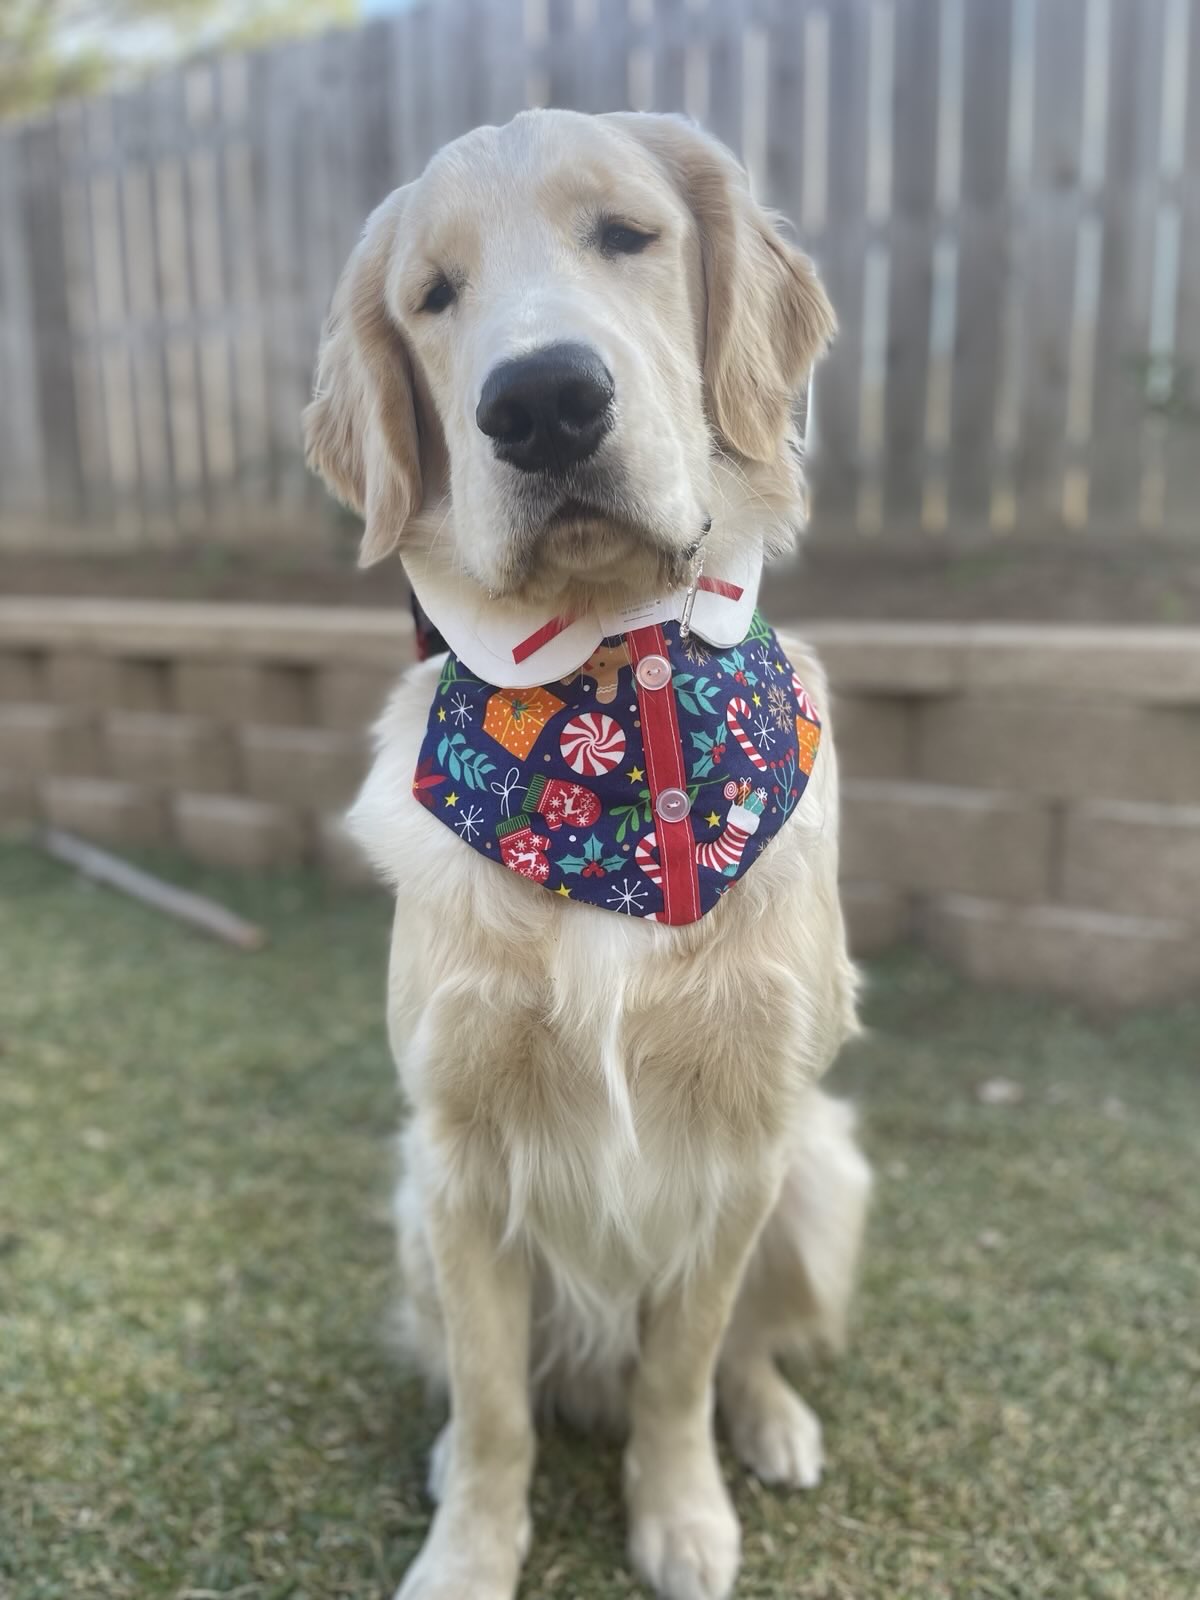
727 591
548 630
665 770
556 625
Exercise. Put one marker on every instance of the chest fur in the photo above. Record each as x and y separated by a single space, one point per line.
602 1077
607 1078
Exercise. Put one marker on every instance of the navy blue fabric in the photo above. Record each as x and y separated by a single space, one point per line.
552 782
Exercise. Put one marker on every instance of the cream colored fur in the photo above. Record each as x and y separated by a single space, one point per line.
623 1192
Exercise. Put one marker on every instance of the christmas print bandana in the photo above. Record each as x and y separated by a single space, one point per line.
646 783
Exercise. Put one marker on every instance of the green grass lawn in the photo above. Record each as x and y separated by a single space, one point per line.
196 1394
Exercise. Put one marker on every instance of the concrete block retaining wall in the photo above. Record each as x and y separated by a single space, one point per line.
1024 799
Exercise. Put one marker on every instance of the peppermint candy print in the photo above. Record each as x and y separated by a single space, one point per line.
737 712
572 807
592 744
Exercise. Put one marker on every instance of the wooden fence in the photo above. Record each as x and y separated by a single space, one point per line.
1003 195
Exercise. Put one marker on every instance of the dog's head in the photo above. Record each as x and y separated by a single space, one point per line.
558 353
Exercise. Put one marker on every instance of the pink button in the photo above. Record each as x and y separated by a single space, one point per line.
672 805
654 672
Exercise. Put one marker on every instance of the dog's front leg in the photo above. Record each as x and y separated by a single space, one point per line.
683 1532
480 1532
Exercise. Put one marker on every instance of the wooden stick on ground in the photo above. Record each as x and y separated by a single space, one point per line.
144 886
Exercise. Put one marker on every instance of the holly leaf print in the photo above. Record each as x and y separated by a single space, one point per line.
735 665
695 695
712 750
464 764
592 862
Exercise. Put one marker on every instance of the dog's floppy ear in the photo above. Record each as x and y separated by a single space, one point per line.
767 317
360 429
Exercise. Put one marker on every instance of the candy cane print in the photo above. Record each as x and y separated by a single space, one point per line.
804 703
646 858
722 854
734 713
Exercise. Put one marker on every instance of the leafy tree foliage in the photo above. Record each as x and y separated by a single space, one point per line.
54 49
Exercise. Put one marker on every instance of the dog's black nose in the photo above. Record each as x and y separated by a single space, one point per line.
545 411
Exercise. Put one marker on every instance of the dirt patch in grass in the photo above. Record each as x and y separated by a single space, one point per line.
196 1397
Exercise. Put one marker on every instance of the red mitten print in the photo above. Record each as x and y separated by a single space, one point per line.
559 802
521 849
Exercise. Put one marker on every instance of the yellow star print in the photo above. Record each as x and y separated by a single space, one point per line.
758 699
712 819
451 799
441 713
564 891
635 774
779 666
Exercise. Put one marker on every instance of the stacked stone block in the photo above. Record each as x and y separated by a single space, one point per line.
1024 799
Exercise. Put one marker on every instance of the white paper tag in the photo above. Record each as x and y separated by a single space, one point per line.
644 614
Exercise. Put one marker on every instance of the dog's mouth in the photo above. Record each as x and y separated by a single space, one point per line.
584 530
592 541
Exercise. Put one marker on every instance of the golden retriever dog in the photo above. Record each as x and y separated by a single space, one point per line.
558 379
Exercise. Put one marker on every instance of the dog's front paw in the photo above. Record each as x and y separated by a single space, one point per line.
776 1435
684 1538
466 1563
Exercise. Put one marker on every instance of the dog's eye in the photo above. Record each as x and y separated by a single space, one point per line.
619 239
439 295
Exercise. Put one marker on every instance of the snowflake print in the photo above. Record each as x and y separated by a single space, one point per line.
780 704
764 733
468 826
627 897
503 768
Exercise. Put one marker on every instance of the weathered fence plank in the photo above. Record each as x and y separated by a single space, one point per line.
842 256
1178 339
42 230
985 256
1127 212
22 482
911 236
1051 261
1003 196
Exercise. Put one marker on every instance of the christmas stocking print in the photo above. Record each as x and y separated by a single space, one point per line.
724 853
